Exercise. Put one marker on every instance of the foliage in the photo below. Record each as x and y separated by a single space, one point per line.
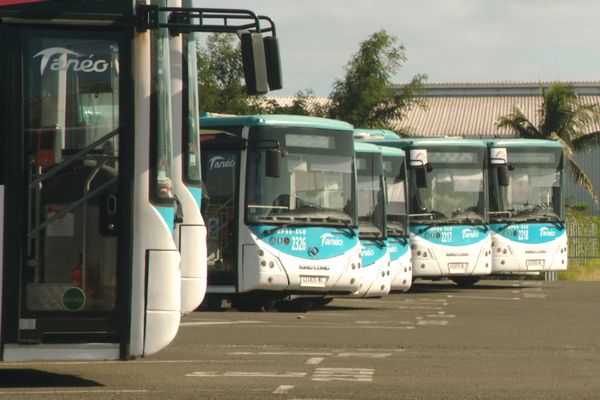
563 118
584 246
365 97
221 77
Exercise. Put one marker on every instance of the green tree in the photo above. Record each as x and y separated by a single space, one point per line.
562 117
365 97
221 76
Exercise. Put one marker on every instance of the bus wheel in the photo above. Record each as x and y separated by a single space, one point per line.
466 281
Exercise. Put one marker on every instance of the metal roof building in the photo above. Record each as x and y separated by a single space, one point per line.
471 110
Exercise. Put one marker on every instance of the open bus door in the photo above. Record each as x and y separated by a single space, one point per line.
62 108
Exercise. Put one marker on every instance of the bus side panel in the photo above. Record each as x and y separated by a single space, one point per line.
162 308
192 245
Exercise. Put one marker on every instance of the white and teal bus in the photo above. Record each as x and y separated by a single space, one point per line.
527 217
89 266
397 222
370 203
280 215
448 207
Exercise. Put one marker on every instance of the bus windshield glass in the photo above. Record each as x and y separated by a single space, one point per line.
395 180
534 189
454 190
369 195
314 182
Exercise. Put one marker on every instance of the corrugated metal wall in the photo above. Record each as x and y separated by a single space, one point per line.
575 195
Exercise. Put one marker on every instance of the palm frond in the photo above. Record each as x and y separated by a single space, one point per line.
582 179
518 122
586 141
566 146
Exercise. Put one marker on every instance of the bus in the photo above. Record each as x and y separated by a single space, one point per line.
449 234
527 211
370 203
280 213
397 222
89 265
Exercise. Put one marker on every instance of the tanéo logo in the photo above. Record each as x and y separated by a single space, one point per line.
469 233
327 239
547 232
59 60
220 162
368 252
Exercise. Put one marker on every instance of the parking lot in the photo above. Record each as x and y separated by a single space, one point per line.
498 340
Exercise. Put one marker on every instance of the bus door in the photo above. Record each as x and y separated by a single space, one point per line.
221 174
63 216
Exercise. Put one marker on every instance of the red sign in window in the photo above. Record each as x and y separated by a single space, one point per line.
12 2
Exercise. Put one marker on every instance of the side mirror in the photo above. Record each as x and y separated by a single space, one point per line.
273 61
421 178
273 163
502 171
254 63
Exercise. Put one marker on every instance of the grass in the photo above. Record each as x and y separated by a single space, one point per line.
589 271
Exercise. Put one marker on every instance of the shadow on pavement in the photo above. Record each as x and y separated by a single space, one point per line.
32 378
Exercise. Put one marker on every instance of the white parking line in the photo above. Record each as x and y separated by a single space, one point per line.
343 374
283 389
203 323
534 295
451 296
240 374
365 355
315 360
428 322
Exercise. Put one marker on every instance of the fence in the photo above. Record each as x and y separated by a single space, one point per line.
584 244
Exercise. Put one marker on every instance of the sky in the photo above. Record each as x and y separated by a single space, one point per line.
448 40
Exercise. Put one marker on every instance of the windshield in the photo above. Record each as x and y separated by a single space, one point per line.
395 179
369 195
314 185
454 191
534 189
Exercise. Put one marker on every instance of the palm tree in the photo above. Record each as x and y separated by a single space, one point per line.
562 117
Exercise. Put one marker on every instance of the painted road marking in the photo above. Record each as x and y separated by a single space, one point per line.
451 296
38 392
441 316
283 389
315 360
534 295
203 323
365 355
343 374
428 322
278 353
240 374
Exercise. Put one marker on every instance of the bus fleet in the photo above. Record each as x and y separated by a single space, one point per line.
125 207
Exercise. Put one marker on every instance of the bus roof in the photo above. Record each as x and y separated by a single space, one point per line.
519 142
367 134
406 143
361 147
387 151
274 120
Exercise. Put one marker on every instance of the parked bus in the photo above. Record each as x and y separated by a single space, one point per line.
281 218
89 267
376 272
448 207
397 223
527 217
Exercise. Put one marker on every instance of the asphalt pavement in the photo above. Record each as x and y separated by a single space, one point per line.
499 340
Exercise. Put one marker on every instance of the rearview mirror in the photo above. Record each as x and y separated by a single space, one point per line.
502 171
421 178
273 61
273 163
254 63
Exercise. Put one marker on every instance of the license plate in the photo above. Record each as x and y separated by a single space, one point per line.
536 263
462 267
314 281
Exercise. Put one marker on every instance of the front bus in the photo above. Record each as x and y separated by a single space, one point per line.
89 267
280 215
527 218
